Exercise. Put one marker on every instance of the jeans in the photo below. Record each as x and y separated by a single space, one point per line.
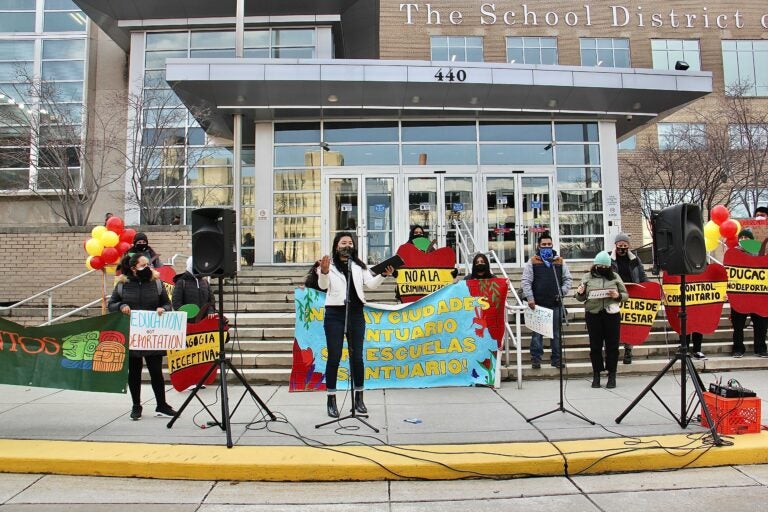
537 340
334 339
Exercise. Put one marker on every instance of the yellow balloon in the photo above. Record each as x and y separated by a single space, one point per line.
94 247
711 244
88 263
738 226
110 268
98 231
109 239
711 230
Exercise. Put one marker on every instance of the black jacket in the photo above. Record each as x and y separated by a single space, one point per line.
140 296
190 290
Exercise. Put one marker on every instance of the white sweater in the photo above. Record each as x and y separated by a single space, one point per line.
335 283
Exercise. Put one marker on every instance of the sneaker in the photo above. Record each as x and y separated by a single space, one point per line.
762 354
700 355
136 412
738 355
164 410
535 364
558 364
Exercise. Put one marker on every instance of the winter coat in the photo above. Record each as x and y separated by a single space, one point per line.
336 284
189 289
538 280
592 281
636 268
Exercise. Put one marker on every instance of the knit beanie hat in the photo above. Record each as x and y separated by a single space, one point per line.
603 258
746 233
621 237
140 236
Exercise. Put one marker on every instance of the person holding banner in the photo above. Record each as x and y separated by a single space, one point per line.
739 320
629 267
334 273
602 292
481 268
140 288
545 281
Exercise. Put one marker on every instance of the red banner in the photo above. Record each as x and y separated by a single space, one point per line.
188 366
423 272
747 281
704 298
639 311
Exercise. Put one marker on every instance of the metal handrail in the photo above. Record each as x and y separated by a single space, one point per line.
517 308
49 292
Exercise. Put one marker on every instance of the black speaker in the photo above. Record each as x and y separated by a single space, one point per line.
678 239
214 246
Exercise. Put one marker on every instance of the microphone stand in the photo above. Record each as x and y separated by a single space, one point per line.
561 406
353 412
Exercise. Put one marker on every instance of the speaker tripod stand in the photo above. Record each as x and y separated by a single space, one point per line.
686 369
224 365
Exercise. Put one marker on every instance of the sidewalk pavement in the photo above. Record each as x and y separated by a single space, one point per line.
453 433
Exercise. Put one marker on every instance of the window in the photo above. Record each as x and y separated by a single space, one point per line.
63 16
745 66
666 53
658 199
681 135
283 43
532 50
749 136
17 15
605 52
628 144
457 48
744 202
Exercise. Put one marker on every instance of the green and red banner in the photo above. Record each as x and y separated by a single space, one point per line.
639 311
747 281
423 272
704 298
84 355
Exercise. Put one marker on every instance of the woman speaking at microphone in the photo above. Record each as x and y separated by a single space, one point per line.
333 274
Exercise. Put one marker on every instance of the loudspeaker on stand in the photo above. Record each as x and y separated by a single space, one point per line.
214 246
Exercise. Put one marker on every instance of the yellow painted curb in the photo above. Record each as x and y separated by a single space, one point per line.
333 463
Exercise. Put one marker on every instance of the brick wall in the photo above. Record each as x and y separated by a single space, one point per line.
35 259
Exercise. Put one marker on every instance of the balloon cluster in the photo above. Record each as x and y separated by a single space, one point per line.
108 244
721 225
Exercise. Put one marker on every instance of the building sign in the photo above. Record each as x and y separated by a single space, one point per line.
514 14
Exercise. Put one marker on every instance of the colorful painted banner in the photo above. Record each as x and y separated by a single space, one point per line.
704 298
747 281
423 272
639 311
188 366
444 339
84 355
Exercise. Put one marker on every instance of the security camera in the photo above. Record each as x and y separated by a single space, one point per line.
628 118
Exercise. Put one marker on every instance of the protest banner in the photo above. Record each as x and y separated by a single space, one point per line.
150 331
84 355
423 272
639 311
442 340
188 366
540 320
704 297
747 281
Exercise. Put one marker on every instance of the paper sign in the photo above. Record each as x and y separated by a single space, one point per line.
540 320
602 293
424 207
346 207
150 331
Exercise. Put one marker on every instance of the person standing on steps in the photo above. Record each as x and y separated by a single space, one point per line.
333 274
629 267
739 320
602 292
542 275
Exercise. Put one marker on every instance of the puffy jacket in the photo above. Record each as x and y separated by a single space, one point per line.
636 269
335 283
139 295
189 289
592 282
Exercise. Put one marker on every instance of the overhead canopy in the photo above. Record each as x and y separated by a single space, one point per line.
270 89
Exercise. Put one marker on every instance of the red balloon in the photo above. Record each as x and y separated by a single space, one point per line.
730 242
115 224
97 262
109 255
127 235
719 214
123 247
729 228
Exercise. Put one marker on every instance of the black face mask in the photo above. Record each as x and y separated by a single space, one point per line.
605 272
140 247
481 268
621 251
144 274
346 251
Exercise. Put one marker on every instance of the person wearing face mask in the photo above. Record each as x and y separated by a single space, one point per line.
333 274
602 292
542 275
481 268
739 320
141 246
193 289
629 267
140 288
761 213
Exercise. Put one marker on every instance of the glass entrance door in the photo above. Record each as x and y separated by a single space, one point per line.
363 206
434 202
518 210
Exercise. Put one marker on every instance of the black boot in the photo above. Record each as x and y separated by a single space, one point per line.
333 411
359 404
611 380
595 379
627 354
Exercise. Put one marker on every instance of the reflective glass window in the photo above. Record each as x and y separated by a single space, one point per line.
435 131
298 156
297 132
605 52
439 154
744 67
515 154
578 177
578 154
457 48
576 132
514 132
362 154
532 50
360 132
666 53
